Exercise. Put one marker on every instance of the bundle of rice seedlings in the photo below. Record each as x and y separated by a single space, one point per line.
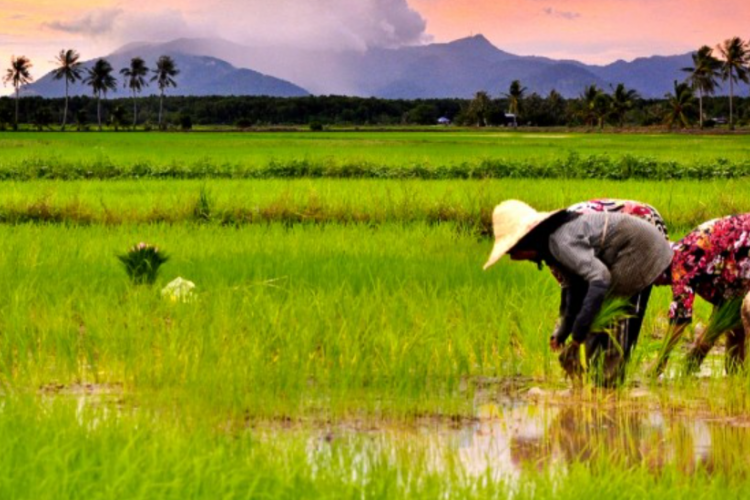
726 317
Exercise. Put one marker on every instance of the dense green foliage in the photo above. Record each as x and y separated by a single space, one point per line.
535 110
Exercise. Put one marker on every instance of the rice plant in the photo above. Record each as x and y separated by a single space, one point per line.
142 263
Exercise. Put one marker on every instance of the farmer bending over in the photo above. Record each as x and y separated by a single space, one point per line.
712 261
625 332
597 253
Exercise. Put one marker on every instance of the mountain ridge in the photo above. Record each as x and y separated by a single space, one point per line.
458 69
199 75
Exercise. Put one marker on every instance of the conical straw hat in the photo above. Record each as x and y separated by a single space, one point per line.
511 221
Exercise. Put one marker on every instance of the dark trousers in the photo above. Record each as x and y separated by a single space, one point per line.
608 354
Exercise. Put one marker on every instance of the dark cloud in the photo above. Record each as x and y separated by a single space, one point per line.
561 13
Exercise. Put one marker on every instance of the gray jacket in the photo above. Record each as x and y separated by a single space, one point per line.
614 254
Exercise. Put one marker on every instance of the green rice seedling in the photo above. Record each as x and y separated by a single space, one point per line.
203 205
577 362
142 263
724 318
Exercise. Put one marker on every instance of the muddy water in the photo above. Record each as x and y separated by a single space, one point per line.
511 435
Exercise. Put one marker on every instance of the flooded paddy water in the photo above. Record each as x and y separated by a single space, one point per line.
514 427
548 432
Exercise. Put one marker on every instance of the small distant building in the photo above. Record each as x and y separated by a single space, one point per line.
444 120
510 120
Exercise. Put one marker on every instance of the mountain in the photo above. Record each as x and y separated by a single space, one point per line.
655 75
455 69
199 75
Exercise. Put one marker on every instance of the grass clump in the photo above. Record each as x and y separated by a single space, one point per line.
142 263
203 206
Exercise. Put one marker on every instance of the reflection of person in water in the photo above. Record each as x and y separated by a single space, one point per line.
583 433
599 254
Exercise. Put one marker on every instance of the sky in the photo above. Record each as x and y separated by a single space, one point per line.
592 31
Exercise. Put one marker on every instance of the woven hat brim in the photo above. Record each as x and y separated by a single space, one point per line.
508 241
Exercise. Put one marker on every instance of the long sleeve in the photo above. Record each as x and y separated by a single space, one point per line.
683 297
572 248
571 299
689 261
592 304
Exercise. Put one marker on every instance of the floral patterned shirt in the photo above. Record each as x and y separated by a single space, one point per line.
712 261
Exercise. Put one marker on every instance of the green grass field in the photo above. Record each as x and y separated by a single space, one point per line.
466 203
352 154
343 341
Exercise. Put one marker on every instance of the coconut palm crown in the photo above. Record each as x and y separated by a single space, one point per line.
680 105
18 75
515 95
164 74
735 54
622 101
100 79
135 80
703 75
68 68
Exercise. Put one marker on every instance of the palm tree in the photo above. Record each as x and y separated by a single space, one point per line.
135 80
118 117
164 75
602 108
734 52
622 101
101 80
681 104
69 68
555 106
588 101
19 74
514 96
479 108
703 75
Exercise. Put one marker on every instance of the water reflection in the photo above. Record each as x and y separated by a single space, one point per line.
511 436
520 434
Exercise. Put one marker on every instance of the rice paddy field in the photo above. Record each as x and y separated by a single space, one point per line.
342 340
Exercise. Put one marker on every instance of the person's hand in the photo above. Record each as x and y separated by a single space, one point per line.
555 344
570 360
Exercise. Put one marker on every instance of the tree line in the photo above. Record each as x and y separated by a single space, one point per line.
245 112
595 107
691 100
99 77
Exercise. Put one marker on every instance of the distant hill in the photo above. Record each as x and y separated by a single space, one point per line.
456 69
199 75
653 76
